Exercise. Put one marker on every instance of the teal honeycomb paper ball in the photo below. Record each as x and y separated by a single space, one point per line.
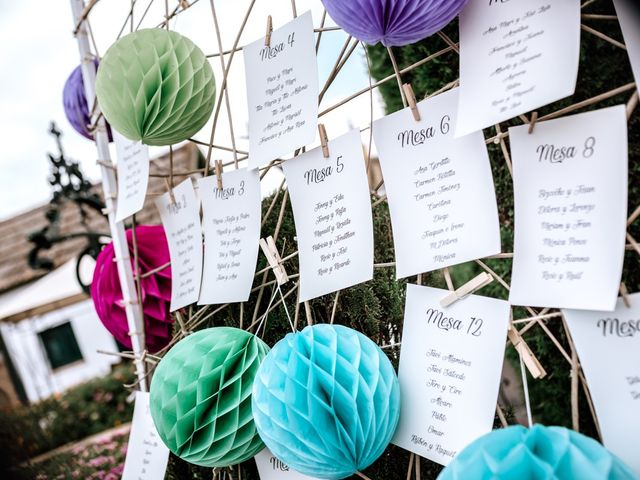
156 86
326 401
201 397
553 453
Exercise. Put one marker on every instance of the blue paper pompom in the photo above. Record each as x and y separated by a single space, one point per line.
326 401
536 453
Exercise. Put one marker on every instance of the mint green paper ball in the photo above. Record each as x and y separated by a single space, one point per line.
156 86
201 397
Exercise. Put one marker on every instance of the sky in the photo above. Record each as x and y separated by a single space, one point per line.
39 52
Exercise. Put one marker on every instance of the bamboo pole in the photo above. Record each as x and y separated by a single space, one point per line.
133 308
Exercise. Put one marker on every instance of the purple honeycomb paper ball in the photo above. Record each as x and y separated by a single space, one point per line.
393 22
75 104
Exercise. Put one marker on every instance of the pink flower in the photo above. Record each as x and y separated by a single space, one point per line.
98 461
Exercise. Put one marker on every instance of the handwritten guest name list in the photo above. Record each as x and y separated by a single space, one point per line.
147 456
231 224
332 213
272 468
515 56
450 367
282 91
608 345
181 221
570 188
133 175
439 188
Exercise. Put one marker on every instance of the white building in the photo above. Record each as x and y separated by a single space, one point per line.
52 334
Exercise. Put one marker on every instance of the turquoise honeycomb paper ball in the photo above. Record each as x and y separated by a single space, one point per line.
326 401
549 453
200 397
156 86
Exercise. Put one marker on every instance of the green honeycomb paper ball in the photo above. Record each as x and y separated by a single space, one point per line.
201 397
156 86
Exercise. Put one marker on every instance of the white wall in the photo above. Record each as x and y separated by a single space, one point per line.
30 358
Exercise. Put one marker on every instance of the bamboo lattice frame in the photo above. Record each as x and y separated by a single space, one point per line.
188 319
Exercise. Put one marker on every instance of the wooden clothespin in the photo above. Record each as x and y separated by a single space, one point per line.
267 37
532 122
170 189
411 100
218 168
270 251
624 293
324 140
533 365
467 289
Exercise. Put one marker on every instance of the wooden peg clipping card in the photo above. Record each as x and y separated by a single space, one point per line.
411 100
267 37
624 293
324 140
218 168
468 288
532 122
270 251
531 362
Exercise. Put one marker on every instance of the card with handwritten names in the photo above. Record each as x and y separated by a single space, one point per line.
570 189
515 56
282 91
608 346
180 217
133 175
439 188
629 17
231 224
147 456
272 468
450 367
332 213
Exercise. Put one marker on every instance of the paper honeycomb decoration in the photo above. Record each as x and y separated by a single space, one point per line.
554 453
155 289
75 104
326 401
156 86
394 23
201 397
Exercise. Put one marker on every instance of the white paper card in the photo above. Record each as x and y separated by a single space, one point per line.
450 368
282 91
181 221
570 188
332 213
439 188
147 456
272 468
629 17
133 175
515 56
231 224
608 345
